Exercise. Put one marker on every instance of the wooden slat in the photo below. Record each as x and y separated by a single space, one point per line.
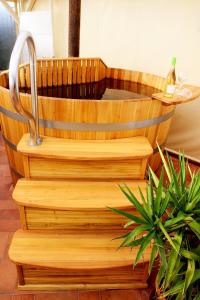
44 73
75 252
39 75
88 286
118 149
60 70
50 73
55 73
62 169
193 93
70 72
74 195
65 71
76 220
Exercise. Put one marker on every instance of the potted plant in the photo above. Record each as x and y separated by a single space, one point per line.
169 220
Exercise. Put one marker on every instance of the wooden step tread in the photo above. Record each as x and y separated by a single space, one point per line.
71 251
116 149
74 195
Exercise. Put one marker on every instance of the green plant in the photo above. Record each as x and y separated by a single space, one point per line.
169 220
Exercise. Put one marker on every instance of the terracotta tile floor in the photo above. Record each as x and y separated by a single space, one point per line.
9 223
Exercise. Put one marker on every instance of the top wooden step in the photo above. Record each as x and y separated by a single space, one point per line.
116 149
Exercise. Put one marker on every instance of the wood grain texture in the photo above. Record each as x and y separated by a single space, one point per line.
87 150
75 195
73 205
41 168
193 93
69 71
71 251
81 286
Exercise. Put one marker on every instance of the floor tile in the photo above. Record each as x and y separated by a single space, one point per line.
121 295
3 244
24 297
89 295
8 276
8 204
69 295
9 214
9 225
5 297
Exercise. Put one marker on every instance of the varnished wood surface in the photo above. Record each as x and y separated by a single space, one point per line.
73 205
193 93
43 168
71 251
118 149
101 286
75 195
67 71
73 220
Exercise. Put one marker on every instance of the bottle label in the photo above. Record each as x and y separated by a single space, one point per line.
170 89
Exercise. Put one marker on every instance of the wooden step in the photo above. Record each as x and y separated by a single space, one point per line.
70 205
65 261
90 159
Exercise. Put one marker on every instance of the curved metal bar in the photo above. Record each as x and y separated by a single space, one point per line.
33 119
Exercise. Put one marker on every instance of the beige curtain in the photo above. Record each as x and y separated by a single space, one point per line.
185 130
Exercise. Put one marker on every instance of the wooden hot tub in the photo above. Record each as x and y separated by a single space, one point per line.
147 113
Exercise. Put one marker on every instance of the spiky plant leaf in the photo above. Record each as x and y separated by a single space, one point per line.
146 241
133 234
167 235
189 274
136 204
137 220
177 288
172 259
190 255
154 253
159 191
165 164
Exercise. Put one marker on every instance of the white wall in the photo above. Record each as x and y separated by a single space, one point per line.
144 35
59 10
141 35
39 23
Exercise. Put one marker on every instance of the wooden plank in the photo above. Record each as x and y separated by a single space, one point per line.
60 70
23 219
55 73
39 75
75 251
49 73
44 73
75 195
76 220
102 169
63 287
117 149
192 93
65 71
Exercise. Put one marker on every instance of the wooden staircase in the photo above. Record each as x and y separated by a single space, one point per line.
66 240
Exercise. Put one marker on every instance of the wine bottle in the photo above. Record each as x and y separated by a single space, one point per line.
170 85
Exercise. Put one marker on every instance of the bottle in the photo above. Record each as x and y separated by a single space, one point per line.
171 80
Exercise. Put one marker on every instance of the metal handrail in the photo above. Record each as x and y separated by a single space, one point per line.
33 119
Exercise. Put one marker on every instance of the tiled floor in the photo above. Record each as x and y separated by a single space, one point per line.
9 223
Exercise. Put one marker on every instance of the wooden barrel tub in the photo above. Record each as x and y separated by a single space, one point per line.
148 116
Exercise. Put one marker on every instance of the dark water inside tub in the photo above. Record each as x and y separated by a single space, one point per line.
106 89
